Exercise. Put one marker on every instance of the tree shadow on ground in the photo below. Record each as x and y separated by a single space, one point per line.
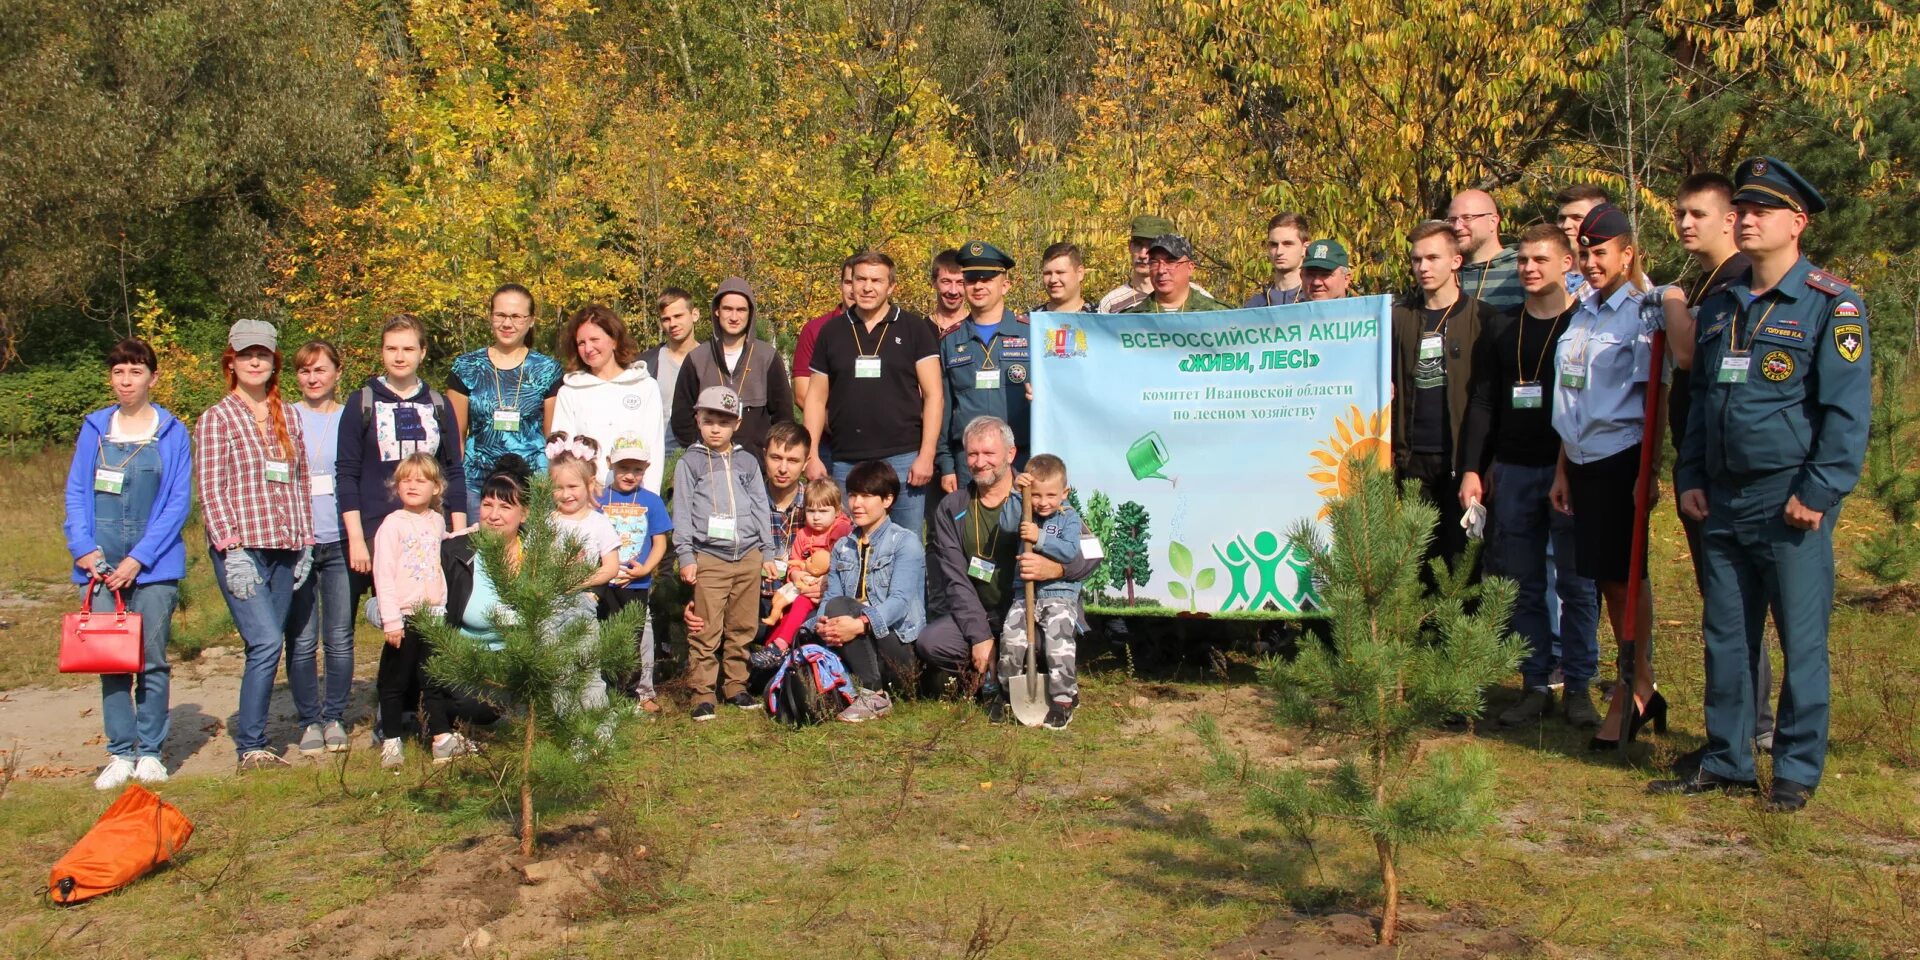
1193 859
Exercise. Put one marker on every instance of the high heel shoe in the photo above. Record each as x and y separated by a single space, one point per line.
1656 711
1599 745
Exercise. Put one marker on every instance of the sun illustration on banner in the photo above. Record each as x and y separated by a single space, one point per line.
1355 435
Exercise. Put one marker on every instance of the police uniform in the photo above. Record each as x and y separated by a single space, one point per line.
1782 398
986 372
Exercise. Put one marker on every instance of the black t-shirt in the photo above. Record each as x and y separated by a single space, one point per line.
1521 351
1680 398
870 417
1430 433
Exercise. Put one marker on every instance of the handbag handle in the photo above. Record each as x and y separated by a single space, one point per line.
94 583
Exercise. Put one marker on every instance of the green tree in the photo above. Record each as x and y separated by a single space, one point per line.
1099 520
1400 661
151 144
544 656
1129 550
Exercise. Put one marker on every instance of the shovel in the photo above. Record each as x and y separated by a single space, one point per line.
1027 690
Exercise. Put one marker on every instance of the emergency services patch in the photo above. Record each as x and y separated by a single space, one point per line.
1016 373
1849 339
1777 366
1846 311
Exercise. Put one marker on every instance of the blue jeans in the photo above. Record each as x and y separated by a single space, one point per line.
1523 525
910 507
137 721
323 606
262 622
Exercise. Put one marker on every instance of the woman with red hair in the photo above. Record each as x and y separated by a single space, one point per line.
250 471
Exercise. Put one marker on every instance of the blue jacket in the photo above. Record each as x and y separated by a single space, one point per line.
161 551
896 580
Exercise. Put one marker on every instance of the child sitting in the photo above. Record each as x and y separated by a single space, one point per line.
1055 534
806 563
720 525
407 579
640 518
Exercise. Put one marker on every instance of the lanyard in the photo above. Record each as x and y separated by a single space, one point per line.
731 505
865 548
101 456
1693 299
1733 329
861 348
746 361
1520 338
986 355
975 521
499 395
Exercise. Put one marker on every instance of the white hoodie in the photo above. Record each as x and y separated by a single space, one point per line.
606 410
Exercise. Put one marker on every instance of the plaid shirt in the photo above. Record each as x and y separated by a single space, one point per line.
785 522
240 506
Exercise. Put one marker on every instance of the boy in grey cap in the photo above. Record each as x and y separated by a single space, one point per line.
721 524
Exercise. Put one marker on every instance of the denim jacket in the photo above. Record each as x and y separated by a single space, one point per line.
1059 542
896 580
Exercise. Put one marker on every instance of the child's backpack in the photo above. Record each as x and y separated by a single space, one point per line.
811 685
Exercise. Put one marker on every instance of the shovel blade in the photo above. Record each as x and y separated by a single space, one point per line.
1027 695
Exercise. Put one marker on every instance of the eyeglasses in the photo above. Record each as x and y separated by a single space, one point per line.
512 317
1467 217
1168 263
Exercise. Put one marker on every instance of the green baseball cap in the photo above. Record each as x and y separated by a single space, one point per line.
1148 228
1325 255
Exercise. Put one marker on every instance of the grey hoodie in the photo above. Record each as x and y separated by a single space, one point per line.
701 482
766 395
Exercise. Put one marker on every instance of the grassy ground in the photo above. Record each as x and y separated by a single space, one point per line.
934 835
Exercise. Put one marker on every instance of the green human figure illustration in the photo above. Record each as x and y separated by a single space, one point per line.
1304 598
1236 560
1268 552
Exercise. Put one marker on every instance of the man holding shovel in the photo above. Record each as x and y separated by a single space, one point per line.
976 541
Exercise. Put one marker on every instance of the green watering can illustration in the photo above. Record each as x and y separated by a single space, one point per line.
1148 457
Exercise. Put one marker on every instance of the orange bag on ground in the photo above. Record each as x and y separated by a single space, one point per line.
137 833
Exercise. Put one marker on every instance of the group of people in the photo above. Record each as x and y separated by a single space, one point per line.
1520 377
1521 406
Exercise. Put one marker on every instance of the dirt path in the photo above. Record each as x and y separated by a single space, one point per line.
50 733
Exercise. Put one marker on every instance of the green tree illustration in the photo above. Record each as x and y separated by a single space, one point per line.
1099 521
1127 552
1401 660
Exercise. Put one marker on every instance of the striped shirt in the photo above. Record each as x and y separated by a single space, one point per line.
239 504
1496 282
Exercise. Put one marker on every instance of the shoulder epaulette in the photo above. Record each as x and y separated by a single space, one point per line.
1827 283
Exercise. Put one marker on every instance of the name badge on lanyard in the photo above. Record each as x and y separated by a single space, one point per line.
986 379
506 421
1573 373
1527 396
866 368
980 568
1432 347
720 528
1734 369
320 484
109 481
278 471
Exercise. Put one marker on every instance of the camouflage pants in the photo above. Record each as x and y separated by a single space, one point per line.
1058 620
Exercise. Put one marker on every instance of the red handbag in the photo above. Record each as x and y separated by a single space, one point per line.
100 642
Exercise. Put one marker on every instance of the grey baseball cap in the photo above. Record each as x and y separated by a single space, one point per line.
253 333
719 400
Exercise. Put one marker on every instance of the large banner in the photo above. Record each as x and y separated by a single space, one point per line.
1195 441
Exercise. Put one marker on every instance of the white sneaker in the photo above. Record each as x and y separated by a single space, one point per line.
150 770
118 771
871 705
391 754
445 749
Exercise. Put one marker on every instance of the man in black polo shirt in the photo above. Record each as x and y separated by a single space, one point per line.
876 391
1510 427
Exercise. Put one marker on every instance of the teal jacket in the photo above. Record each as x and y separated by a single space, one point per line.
963 355
1807 396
